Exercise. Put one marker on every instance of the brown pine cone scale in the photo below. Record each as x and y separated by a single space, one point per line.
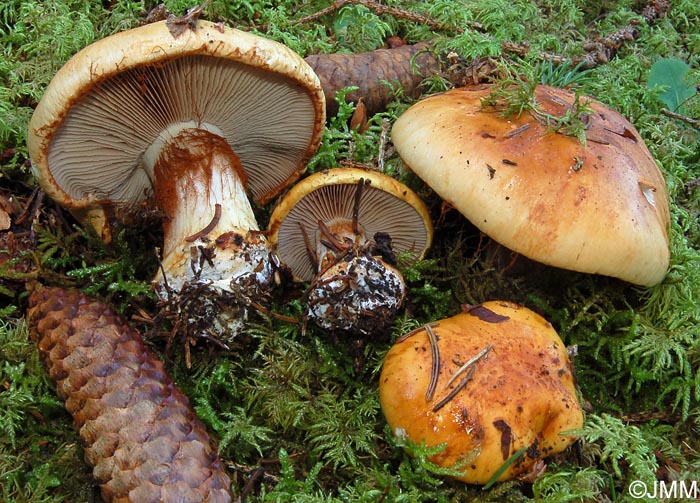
141 436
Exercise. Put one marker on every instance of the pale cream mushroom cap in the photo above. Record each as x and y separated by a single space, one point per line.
602 207
387 205
93 151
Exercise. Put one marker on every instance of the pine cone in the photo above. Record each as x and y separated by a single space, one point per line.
141 436
370 71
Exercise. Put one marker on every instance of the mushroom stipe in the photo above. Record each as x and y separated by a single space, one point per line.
190 123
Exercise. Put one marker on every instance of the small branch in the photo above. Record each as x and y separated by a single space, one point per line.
356 206
270 312
693 122
408 66
381 9
309 247
331 240
415 331
472 361
383 140
209 227
31 208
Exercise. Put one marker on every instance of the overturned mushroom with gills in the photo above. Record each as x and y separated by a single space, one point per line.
598 206
195 123
341 230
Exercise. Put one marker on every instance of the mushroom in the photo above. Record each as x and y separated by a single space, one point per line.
341 229
597 207
192 122
494 384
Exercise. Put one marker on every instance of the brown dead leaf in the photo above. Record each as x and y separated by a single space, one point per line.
5 220
506 436
358 120
484 313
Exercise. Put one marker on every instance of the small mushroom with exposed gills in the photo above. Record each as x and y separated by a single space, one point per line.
494 384
596 207
192 123
340 230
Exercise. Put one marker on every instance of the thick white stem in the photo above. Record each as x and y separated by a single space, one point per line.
360 294
352 292
212 246
195 215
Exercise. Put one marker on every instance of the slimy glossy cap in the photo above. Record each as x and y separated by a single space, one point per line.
600 207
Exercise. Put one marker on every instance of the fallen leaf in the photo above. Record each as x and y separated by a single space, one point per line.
484 313
5 220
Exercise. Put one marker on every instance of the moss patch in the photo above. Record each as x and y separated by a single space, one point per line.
297 414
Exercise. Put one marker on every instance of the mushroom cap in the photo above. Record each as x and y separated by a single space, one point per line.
386 205
109 109
602 207
521 393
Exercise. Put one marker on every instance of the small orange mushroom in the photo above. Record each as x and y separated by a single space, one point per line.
490 383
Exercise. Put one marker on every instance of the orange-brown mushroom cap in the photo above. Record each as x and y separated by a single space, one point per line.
600 207
93 135
521 393
386 206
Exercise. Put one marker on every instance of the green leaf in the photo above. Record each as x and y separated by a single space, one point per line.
504 467
670 75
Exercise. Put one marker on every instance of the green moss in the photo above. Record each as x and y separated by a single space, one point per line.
299 412
40 459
